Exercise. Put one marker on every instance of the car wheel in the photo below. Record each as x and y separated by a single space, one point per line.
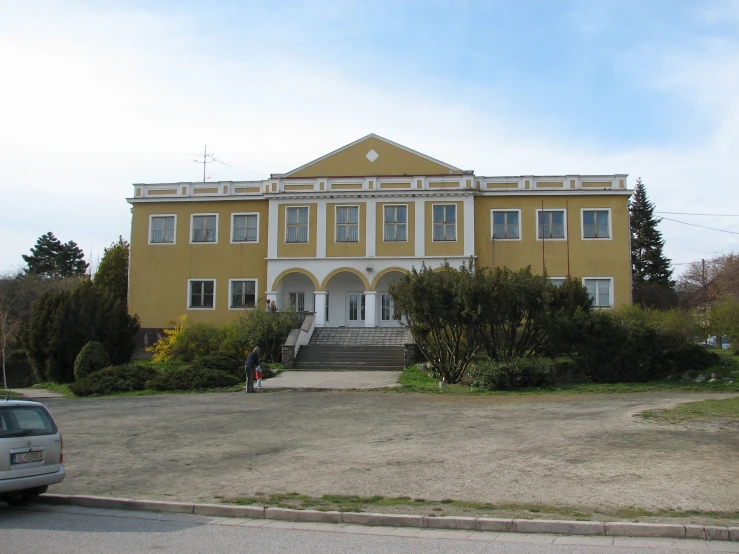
21 498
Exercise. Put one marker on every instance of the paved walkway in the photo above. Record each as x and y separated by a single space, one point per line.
333 380
38 393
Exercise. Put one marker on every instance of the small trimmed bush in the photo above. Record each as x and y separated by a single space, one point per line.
691 356
192 378
91 358
512 374
221 361
121 378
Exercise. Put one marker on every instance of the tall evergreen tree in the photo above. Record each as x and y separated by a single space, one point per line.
51 258
112 273
651 272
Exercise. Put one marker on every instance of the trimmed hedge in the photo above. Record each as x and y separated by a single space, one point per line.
91 358
189 378
221 361
512 374
121 378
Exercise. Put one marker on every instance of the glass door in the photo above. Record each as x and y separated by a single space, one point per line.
355 309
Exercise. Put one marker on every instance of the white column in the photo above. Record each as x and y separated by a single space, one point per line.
273 225
321 230
420 214
320 308
371 224
469 225
370 305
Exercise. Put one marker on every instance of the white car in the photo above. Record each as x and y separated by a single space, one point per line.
31 451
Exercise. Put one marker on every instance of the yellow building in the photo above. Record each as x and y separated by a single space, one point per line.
330 236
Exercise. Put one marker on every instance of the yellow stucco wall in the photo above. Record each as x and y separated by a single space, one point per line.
345 249
443 248
587 258
159 272
301 249
352 162
383 248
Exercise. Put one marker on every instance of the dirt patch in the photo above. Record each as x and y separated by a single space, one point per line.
576 452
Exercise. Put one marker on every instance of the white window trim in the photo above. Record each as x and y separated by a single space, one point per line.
407 223
582 223
287 207
215 291
552 278
520 223
610 291
336 223
296 293
174 236
456 221
233 215
565 223
192 228
230 293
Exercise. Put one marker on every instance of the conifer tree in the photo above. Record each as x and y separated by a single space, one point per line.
112 273
51 258
651 272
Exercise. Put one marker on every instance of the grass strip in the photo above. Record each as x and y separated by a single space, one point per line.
723 410
449 507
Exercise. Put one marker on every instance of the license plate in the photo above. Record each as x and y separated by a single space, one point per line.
27 457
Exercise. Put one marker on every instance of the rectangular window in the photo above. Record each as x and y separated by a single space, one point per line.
205 228
202 294
551 224
162 229
243 293
600 291
347 224
506 225
297 224
297 301
557 281
244 228
445 222
396 223
595 224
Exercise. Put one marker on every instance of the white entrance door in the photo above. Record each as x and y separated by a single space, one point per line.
386 311
354 309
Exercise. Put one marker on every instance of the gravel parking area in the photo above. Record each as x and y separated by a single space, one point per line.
557 450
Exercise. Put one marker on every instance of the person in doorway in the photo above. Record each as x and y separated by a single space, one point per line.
252 361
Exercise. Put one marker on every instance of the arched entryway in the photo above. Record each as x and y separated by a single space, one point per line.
295 288
381 285
348 299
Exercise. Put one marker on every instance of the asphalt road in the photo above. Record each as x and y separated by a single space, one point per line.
39 528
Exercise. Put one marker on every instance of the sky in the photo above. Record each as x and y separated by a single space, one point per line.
98 95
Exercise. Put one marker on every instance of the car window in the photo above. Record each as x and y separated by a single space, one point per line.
25 421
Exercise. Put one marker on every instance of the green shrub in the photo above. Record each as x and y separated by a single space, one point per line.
91 358
610 349
121 378
691 356
190 378
512 374
228 363
18 369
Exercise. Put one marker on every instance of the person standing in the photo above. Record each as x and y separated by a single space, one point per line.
252 361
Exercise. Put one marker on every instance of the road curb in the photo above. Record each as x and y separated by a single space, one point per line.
554 527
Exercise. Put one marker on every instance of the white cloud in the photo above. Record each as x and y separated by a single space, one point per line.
101 101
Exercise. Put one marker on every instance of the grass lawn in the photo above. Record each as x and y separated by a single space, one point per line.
449 507
724 410
413 380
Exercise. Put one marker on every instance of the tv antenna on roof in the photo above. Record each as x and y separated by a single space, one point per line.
205 159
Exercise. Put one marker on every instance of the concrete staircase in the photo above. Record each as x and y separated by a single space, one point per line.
351 349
